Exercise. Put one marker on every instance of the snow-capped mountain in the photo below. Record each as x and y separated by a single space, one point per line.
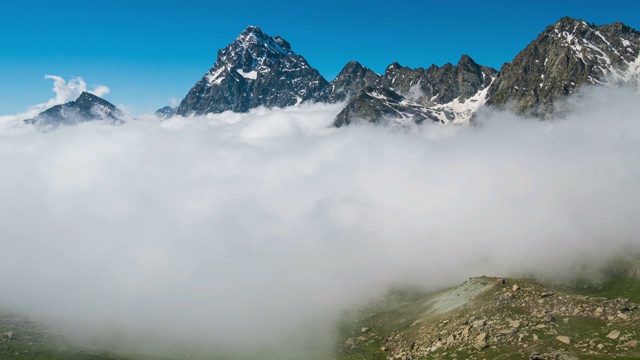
254 70
87 107
565 56
259 70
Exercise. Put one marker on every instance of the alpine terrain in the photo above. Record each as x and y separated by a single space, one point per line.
254 70
440 94
565 56
259 70
86 107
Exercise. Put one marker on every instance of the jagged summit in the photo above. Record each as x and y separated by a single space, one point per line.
259 70
562 58
451 93
254 70
352 78
466 60
87 107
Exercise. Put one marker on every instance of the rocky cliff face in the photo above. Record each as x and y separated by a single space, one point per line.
438 85
87 107
254 70
441 94
564 57
379 105
352 79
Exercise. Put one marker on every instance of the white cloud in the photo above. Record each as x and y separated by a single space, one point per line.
247 231
69 91
65 91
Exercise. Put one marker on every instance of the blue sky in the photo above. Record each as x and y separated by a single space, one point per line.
151 51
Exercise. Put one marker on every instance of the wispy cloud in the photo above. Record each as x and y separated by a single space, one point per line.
64 91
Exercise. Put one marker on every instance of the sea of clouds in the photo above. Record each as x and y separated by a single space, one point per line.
236 232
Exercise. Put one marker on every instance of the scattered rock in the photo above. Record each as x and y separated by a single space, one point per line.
630 343
564 339
599 311
7 335
451 339
465 331
480 341
515 287
350 343
364 329
576 311
614 335
479 323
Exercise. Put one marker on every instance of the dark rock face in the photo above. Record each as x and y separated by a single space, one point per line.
379 105
440 94
352 79
165 112
258 70
87 107
254 70
565 56
438 85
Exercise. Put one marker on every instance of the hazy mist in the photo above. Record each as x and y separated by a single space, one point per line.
237 231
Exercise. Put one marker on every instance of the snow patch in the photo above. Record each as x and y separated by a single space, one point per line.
248 75
462 111
214 78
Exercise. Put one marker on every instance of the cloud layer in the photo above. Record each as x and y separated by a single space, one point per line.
243 231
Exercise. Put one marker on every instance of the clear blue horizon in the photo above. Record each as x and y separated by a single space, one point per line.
149 52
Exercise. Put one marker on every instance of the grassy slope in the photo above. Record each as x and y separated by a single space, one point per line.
403 316
400 319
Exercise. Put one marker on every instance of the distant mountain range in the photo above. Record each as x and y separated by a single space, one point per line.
259 70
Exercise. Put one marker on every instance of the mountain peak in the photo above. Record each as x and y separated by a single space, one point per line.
253 34
568 24
86 107
251 29
254 70
466 60
566 55
87 96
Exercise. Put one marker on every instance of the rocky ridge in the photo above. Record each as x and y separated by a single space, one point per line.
564 57
447 94
258 70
